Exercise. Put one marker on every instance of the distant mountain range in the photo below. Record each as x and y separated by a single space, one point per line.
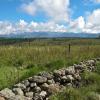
50 35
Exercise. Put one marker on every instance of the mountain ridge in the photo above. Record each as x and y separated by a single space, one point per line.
50 35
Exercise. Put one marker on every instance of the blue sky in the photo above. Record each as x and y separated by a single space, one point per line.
67 15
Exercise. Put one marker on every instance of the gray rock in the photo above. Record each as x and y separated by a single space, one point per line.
43 94
44 86
37 97
7 93
70 78
27 89
26 83
63 79
33 85
39 79
19 97
37 89
90 62
18 91
29 94
50 81
53 88
70 70
77 77
60 72
20 85
30 79
79 67
46 74
69 84
47 99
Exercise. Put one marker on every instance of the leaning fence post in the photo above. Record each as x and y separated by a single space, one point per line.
69 48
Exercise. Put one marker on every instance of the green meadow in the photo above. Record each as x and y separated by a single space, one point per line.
22 58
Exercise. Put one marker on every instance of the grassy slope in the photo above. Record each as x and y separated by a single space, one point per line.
21 60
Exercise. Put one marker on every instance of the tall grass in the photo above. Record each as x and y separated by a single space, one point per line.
19 61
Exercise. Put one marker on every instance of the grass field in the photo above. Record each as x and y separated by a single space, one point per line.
20 59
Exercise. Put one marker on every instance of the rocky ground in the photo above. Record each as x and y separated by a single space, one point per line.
43 85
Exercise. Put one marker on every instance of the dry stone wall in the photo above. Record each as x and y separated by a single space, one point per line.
43 85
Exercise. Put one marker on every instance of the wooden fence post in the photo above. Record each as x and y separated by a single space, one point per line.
69 48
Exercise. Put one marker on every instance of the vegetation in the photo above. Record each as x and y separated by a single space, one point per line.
22 58
89 91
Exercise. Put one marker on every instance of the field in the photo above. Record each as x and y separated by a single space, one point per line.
22 58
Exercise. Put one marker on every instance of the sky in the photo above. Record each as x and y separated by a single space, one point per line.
18 16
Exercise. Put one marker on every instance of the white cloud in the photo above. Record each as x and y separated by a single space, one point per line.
90 25
29 8
94 18
57 10
23 26
97 1
77 25
6 27
93 22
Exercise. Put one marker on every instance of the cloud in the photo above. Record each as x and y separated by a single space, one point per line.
22 26
91 2
93 22
6 27
57 10
77 25
97 1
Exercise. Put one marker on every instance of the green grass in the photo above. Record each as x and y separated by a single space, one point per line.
22 59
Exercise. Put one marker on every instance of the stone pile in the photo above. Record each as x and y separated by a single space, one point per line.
41 86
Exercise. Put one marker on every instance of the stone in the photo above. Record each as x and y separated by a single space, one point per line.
78 67
29 94
69 78
63 79
53 88
60 72
46 74
32 85
37 89
30 79
77 77
19 97
37 97
69 85
50 81
70 70
39 79
47 99
44 86
27 89
26 83
18 91
2 98
7 93
20 85
90 62
43 94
